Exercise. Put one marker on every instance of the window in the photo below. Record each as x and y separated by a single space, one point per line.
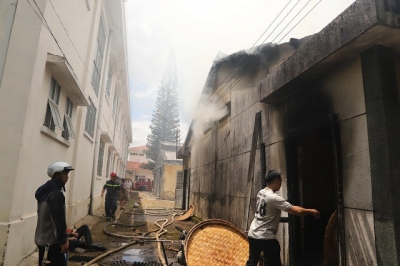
90 119
100 159
179 180
108 162
69 131
207 126
109 79
228 112
53 118
115 103
98 61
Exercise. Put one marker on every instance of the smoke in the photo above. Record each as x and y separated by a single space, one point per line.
206 114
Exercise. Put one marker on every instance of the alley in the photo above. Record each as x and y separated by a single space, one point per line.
138 219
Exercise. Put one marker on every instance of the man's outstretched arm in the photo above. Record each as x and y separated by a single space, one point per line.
300 211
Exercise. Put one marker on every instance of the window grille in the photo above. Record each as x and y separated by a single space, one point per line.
69 132
109 79
53 118
100 159
98 61
90 119
179 180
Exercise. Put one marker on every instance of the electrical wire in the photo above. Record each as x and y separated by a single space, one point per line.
222 82
300 20
247 60
240 78
70 39
276 17
48 27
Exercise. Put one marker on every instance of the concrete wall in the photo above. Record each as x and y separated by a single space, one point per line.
219 159
28 146
169 181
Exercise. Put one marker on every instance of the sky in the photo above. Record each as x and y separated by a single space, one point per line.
197 31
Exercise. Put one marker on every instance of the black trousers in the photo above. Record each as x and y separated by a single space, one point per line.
54 256
83 231
111 206
270 248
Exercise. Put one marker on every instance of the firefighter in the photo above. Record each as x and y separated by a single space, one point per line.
113 192
51 222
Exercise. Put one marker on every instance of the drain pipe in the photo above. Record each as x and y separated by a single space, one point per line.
7 36
97 133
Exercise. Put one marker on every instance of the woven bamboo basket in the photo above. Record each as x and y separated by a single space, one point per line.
216 242
187 215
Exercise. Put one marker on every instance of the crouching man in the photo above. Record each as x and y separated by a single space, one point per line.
75 239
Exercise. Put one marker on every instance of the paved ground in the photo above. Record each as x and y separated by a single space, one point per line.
136 224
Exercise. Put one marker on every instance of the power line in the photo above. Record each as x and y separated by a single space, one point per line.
300 21
48 28
70 39
230 87
37 15
236 82
259 47
258 40
255 44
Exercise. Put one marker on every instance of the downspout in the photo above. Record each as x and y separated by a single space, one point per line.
97 133
7 36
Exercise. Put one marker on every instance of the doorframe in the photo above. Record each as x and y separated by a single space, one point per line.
292 187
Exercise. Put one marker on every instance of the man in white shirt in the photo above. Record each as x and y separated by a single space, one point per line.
266 221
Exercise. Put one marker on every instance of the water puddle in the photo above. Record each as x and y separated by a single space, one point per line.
133 255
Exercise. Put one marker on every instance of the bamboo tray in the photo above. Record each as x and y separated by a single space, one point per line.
187 215
216 242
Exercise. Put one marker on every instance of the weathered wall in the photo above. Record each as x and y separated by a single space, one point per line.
169 181
29 147
220 159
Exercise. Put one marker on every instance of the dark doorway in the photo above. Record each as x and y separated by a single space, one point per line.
312 183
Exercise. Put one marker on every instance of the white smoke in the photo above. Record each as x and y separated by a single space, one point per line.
206 114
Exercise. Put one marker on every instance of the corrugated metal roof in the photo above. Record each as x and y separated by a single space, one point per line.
169 155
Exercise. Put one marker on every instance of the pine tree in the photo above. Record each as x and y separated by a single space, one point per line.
165 117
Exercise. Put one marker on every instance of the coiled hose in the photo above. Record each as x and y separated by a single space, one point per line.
161 224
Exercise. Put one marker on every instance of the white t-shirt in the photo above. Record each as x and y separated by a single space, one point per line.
268 212
128 186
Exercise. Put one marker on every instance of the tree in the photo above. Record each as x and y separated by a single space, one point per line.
165 118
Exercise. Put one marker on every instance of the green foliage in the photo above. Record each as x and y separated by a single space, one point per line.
165 117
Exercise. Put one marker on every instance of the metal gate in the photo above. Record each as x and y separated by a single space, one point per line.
179 190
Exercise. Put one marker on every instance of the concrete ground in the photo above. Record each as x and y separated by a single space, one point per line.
134 224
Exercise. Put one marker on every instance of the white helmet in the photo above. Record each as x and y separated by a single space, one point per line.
58 167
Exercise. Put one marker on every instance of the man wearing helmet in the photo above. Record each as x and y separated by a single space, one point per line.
113 192
51 223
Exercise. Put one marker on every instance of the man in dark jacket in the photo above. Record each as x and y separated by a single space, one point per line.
113 193
51 223
75 239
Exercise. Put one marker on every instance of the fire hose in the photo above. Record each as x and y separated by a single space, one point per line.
141 238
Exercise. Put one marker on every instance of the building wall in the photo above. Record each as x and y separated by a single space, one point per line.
28 146
136 154
169 181
219 159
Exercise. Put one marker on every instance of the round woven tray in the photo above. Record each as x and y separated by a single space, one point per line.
187 214
216 242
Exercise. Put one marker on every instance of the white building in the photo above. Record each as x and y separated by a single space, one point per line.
63 97
135 159
136 154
